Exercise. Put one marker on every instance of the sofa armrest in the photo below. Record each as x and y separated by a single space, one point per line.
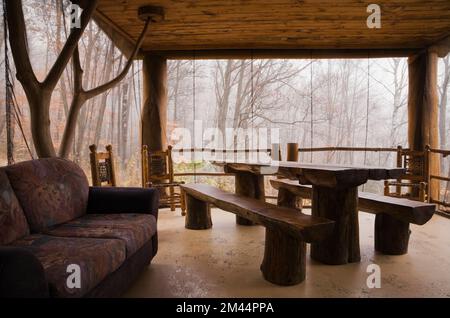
21 274
110 200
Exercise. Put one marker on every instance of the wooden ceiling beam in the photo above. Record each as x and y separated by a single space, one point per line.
285 53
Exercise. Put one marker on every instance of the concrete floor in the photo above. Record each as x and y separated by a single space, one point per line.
224 262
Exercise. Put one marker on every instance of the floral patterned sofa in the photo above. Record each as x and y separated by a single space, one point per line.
50 219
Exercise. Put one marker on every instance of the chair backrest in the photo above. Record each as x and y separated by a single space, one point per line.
102 167
415 162
157 166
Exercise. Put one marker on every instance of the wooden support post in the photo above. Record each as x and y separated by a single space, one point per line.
284 260
250 185
339 205
292 151
391 235
198 215
423 110
398 189
111 166
94 166
154 110
291 155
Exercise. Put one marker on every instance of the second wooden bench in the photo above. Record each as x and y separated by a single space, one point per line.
393 215
287 230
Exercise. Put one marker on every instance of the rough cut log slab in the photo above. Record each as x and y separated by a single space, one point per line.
318 174
198 215
284 260
409 211
391 235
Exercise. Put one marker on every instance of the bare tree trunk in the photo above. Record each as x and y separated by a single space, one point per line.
39 93
240 95
223 91
2 122
124 118
62 82
91 111
111 119
154 110
175 90
101 112
69 130
443 105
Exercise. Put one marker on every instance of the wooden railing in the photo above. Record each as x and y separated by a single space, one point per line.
181 150
214 174
443 205
217 174
317 149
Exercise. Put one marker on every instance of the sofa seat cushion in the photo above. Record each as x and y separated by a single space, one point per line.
133 229
51 191
13 224
96 258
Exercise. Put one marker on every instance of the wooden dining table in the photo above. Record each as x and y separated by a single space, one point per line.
335 196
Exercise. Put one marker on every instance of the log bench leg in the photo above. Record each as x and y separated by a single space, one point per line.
341 206
391 235
287 199
284 260
249 185
198 215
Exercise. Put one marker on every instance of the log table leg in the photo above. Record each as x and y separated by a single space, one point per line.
340 205
391 235
284 258
250 185
198 216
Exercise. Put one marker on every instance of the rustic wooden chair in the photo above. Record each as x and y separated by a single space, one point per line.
157 172
416 177
102 167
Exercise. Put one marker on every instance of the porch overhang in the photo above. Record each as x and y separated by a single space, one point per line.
282 28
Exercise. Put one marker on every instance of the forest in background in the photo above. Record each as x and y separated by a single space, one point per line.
351 102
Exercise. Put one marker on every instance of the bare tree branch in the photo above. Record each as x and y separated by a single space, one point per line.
102 88
72 42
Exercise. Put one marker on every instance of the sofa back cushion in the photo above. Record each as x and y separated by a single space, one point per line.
13 224
51 191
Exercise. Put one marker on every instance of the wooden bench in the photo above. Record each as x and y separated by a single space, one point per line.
393 215
287 230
